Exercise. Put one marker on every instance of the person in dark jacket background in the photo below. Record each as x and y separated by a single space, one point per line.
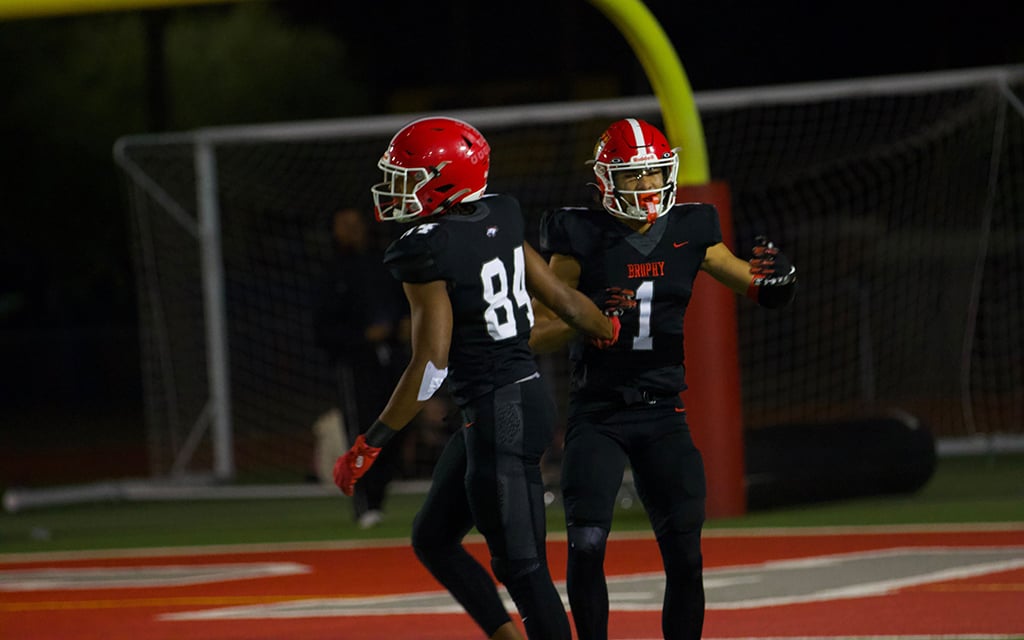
362 323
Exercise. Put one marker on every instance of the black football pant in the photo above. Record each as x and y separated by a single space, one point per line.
668 473
488 476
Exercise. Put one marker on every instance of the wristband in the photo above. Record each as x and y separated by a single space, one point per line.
772 296
379 434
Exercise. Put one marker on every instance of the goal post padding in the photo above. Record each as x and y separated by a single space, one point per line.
714 403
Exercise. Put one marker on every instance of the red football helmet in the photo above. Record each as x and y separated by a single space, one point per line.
627 152
430 165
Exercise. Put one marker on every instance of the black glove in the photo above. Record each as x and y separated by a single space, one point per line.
774 282
770 266
614 301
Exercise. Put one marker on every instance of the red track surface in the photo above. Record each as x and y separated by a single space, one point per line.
973 599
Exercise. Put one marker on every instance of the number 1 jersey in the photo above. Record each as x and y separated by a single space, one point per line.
660 266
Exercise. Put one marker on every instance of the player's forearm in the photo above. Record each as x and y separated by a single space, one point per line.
577 310
585 317
418 383
550 335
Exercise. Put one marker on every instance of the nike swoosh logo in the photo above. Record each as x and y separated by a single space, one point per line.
676 245
469 424
678 410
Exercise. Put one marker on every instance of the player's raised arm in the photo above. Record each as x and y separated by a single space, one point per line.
725 267
577 310
769 279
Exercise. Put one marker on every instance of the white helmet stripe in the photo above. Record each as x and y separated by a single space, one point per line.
638 134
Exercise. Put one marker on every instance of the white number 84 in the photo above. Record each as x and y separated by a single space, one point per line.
500 313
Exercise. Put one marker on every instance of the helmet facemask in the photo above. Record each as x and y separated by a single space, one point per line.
630 201
396 198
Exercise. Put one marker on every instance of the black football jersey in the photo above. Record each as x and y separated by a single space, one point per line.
480 256
660 266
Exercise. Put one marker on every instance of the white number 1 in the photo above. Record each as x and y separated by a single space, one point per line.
644 297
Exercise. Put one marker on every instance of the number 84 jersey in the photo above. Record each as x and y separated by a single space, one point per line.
479 254
659 265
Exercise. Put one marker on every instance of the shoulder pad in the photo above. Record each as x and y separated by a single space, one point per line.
413 257
569 230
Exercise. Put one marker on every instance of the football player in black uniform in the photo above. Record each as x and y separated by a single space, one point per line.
625 403
469 276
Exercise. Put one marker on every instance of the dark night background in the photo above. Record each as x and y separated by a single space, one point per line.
69 370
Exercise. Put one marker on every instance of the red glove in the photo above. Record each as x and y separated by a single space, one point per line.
602 343
354 464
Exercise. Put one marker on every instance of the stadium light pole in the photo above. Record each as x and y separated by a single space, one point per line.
713 399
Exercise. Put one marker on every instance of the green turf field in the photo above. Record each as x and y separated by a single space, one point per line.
963 489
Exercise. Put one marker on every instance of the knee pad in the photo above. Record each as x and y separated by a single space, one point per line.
589 541
507 571
529 583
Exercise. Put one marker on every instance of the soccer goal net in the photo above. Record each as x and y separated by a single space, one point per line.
900 200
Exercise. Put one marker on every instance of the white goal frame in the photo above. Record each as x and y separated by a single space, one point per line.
217 416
